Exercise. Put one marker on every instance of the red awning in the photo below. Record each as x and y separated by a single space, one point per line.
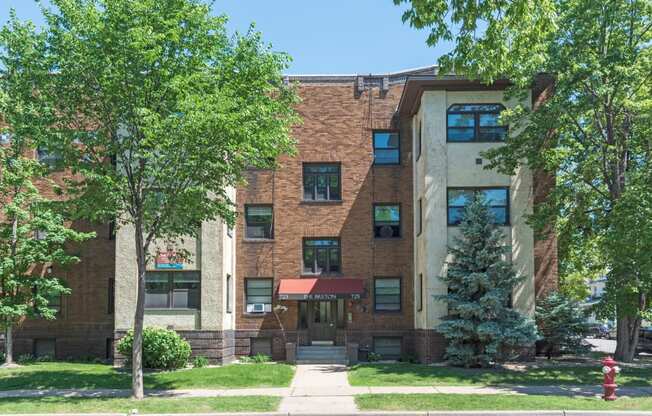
320 289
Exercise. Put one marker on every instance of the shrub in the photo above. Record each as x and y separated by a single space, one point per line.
25 359
245 359
409 358
162 348
374 356
562 324
261 358
200 362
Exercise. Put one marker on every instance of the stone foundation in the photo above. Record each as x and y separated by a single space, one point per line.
74 342
430 346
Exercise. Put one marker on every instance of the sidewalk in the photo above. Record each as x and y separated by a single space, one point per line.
331 381
320 389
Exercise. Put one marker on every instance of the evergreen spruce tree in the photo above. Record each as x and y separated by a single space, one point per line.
481 327
562 324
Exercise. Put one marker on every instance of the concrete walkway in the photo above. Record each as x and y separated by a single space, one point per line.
319 389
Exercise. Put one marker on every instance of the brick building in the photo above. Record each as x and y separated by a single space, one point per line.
341 245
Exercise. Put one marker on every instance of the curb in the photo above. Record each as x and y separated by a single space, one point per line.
405 413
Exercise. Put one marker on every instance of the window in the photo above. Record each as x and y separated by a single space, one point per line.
386 148
229 231
54 303
387 221
321 182
389 348
259 221
229 292
496 198
418 143
40 235
172 290
387 294
111 297
5 138
45 347
111 230
260 346
47 158
109 349
419 216
420 292
321 255
475 123
258 294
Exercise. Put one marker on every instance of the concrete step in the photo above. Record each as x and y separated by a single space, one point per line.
321 354
320 348
323 361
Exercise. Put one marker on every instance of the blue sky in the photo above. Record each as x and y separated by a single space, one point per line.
323 37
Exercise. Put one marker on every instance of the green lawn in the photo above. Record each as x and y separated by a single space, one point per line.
48 405
416 402
423 375
61 375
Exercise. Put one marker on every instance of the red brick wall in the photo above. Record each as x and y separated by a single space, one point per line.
337 127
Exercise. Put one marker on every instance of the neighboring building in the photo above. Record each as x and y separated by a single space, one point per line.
343 244
597 288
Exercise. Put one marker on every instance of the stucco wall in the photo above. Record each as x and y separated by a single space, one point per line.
444 165
212 253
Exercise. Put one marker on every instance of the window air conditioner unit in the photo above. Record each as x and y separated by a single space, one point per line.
257 308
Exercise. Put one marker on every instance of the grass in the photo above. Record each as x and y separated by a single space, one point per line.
416 402
49 405
423 375
62 375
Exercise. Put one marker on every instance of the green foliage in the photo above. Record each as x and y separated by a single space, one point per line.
592 130
26 359
374 356
157 111
34 231
200 362
562 324
481 327
261 358
162 348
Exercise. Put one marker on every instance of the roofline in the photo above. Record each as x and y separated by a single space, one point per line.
416 84
397 76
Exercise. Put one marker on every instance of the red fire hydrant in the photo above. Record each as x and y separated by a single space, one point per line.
610 369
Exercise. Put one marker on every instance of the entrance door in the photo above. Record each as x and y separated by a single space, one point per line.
322 320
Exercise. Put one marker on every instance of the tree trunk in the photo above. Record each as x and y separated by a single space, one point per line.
137 352
9 344
627 329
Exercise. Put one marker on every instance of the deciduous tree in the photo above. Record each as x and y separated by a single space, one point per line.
159 112
33 231
593 131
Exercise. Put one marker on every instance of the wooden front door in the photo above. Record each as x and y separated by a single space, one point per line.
322 321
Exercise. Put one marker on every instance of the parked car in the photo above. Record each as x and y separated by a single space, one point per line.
599 331
645 340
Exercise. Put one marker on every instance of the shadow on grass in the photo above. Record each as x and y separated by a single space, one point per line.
418 374
43 376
